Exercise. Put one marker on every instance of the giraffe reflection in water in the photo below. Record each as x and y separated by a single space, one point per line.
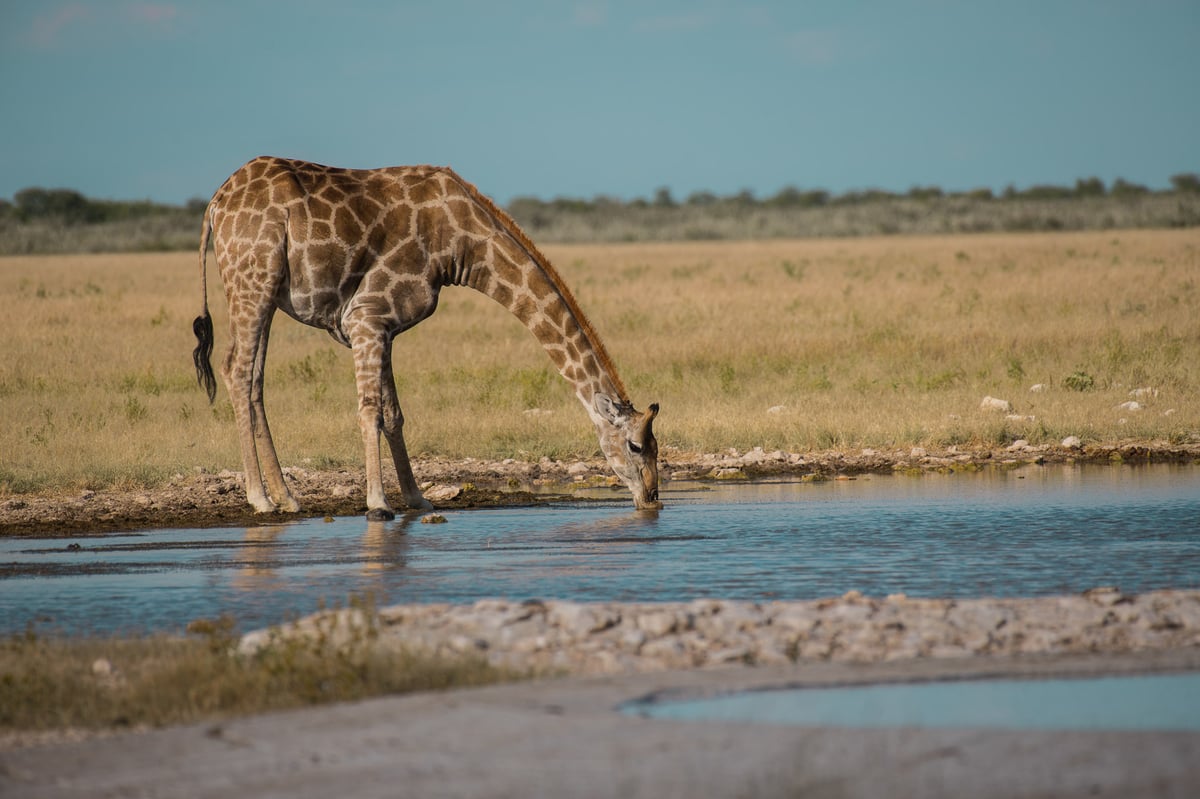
265 551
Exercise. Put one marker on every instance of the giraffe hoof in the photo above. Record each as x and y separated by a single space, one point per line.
380 515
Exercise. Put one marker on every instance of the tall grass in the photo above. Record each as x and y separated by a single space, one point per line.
884 342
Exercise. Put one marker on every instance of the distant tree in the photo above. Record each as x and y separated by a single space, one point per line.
981 194
1089 187
529 211
701 198
6 208
1186 182
1046 191
1123 188
571 204
66 204
924 192
790 196
196 205
865 196
743 197
663 198
814 197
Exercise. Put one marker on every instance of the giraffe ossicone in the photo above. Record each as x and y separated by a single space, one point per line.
364 254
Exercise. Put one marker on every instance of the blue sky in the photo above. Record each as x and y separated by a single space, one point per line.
163 100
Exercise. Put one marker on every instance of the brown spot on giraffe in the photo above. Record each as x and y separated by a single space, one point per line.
364 254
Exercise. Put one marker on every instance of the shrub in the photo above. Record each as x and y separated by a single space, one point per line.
1186 183
1079 380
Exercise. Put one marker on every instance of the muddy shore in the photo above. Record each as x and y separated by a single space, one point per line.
202 499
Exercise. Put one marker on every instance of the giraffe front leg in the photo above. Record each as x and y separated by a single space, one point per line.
369 348
393 430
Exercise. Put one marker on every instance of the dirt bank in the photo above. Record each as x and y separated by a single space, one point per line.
203 499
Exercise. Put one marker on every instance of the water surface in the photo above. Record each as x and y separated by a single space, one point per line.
1036 531
1143 702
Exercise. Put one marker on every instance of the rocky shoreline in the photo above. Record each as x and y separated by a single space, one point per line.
556 637
200 498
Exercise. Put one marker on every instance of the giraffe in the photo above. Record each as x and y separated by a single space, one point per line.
363 254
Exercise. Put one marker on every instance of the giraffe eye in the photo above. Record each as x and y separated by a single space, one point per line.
634 448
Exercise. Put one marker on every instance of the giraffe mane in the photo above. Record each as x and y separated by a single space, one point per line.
509 225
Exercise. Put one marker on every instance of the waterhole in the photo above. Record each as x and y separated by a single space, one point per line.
1141 702
1027 532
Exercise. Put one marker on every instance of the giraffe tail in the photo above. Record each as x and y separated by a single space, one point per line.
203 326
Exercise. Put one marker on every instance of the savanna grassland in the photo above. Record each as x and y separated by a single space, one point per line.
807 346
799 345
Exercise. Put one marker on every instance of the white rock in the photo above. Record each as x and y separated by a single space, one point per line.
1131 405
1037 387
755 455
994 404
775 409
1169 412
443 493
578 468
1143 393
1072 442
1019 445
917 452
1016 417
657 623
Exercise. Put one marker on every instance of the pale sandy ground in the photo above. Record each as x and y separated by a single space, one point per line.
566 738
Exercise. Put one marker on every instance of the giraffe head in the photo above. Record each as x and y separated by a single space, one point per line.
627 440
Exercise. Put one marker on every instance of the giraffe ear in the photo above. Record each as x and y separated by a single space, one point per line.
609 410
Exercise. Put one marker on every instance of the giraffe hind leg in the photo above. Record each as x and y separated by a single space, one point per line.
251 306
263 443
393 431
238 371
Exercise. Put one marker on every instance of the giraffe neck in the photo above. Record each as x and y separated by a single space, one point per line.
495 257
530 289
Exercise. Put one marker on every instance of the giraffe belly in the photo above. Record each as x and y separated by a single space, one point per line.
316 311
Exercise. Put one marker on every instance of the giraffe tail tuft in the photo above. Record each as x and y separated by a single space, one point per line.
202 355
203 326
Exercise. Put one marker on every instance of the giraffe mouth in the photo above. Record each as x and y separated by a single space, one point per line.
647 500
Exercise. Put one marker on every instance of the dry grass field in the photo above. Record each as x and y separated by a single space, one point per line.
798 345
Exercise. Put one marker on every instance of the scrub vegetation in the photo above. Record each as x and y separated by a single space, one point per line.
800 345
134 682
41 221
